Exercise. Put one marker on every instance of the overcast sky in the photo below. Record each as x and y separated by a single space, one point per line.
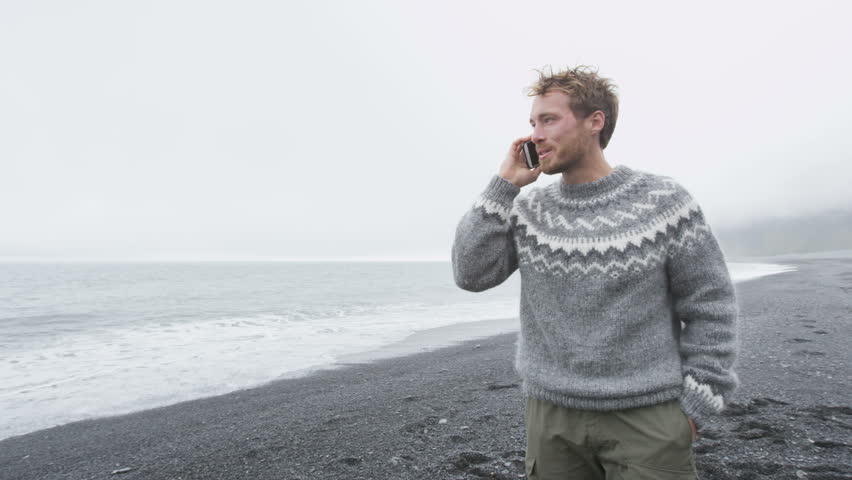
206 129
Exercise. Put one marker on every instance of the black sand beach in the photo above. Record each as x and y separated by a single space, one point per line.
457 412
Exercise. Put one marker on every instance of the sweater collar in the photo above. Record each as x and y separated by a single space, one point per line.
617 177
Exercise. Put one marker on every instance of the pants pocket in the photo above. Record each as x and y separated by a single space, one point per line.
688 426
529 465
654 441
645 472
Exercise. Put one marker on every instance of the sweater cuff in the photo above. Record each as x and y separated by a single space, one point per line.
501 191
698 402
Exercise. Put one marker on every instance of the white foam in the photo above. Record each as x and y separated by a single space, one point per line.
121 370
741 272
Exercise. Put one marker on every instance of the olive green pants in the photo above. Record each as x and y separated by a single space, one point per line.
653 442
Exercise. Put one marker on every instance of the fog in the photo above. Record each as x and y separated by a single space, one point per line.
253 130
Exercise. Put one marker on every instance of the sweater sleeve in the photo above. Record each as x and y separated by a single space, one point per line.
704 299
484 253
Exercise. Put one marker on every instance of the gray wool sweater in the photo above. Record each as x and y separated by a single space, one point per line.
626 299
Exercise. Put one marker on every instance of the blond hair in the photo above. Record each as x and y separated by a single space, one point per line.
587 91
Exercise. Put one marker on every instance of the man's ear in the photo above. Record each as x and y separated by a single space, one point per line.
596 121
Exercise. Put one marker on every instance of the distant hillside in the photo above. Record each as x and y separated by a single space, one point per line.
831 230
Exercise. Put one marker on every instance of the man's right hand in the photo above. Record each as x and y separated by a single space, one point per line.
514 168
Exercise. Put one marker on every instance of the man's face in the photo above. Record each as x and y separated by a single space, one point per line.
560 139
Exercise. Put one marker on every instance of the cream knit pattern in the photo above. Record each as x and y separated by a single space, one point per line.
626 299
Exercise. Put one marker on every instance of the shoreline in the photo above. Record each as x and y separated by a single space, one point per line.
432 339
384 417
426 340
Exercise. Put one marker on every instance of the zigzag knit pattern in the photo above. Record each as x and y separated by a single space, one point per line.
630 229
626 299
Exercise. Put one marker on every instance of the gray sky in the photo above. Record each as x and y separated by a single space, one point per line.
205 129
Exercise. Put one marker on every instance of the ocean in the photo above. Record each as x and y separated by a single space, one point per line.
86 340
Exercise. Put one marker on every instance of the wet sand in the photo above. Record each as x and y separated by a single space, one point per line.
457 412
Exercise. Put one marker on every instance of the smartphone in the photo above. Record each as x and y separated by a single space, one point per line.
530 155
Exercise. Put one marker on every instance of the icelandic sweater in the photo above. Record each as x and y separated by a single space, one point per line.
626 299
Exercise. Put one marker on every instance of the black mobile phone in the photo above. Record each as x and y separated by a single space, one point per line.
530 155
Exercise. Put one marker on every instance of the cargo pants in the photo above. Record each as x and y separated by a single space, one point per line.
652 442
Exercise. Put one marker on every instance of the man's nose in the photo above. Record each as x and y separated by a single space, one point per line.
537 135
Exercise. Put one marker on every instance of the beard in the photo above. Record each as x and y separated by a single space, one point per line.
567 157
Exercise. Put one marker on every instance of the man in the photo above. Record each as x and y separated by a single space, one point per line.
628 315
